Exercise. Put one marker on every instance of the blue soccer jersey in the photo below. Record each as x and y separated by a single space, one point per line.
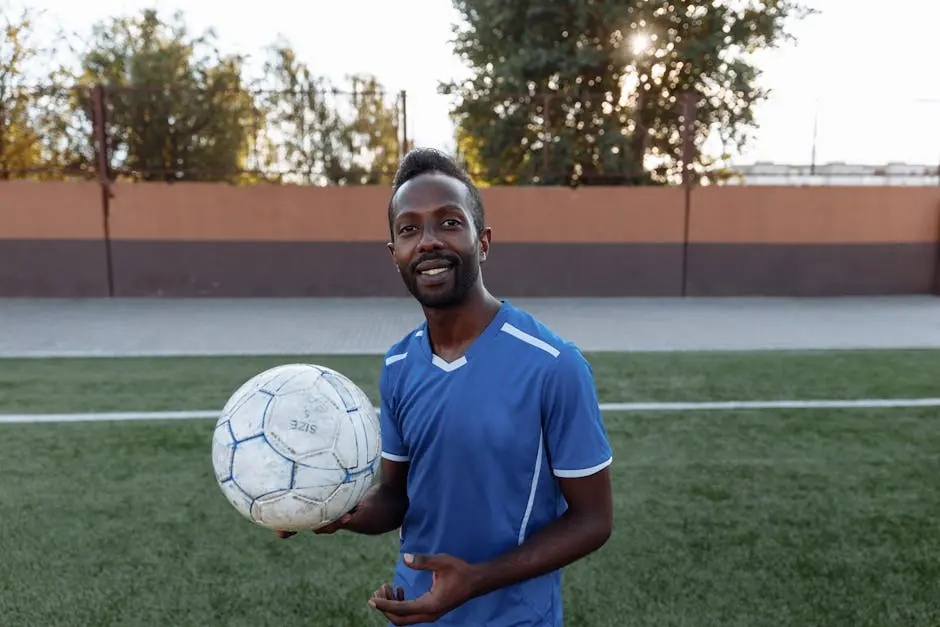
486 435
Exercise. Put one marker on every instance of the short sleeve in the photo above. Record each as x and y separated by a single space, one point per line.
573 426
393 446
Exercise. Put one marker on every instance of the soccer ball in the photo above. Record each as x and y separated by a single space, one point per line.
296 447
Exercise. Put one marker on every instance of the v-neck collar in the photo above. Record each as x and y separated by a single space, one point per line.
481 340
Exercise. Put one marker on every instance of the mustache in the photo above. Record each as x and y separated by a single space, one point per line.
454 259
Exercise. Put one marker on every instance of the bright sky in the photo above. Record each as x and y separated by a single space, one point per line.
872 74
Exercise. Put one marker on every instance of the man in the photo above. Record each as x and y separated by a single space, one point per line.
495 459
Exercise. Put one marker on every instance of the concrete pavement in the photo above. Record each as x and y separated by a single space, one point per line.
128 327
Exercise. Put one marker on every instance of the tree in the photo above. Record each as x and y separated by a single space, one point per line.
588 92
323 134
304 132
40 137
371 135
177 109
19 143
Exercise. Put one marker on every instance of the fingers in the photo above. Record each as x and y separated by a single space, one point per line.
389 593
336 525
409 620
412 619
333 527
402 608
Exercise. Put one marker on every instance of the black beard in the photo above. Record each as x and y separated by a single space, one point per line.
466 272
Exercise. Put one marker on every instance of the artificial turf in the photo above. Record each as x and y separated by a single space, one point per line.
793 517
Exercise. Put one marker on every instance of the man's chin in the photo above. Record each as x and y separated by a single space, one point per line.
438 301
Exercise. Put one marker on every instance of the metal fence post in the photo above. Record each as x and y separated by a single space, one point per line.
688 103
404 122
102 163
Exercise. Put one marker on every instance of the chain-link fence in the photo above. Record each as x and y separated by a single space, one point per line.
229 133
164 133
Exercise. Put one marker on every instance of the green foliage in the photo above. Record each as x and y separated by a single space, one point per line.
590 92
19 142
177 109
371 136
328 134
36 139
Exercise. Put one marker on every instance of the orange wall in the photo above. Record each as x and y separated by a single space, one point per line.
218 212
194 211
815 215
50 210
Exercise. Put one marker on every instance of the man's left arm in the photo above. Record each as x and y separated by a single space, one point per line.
580 455
581 530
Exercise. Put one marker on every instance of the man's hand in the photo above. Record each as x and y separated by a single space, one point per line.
333 527
452 585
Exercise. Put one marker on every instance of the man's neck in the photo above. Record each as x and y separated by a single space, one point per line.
454 329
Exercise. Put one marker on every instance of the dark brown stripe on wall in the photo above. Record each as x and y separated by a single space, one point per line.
77 268
564 270
811 270
256 269
53 268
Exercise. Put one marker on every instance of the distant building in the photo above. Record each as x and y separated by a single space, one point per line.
900 174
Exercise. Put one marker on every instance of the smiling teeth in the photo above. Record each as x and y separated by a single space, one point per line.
434 271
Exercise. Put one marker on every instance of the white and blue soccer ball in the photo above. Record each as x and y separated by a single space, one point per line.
296 447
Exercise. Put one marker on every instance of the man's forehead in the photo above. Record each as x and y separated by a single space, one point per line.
430 191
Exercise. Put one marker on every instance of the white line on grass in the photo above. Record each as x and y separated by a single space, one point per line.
619 407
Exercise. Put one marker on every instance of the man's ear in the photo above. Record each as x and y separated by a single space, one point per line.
486 236
391 253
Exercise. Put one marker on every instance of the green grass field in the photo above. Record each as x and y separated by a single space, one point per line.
746 518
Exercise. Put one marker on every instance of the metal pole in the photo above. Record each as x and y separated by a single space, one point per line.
404 123
104 177
812 165
546 136
688 155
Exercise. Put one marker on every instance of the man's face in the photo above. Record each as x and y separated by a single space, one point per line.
434 241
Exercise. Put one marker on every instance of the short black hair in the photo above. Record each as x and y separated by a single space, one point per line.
427 161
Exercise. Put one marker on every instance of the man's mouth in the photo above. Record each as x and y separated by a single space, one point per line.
433 267
435 271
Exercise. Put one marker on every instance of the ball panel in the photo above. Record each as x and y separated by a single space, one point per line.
239 500
290 376
223 446
287 511
302 424
346 446
370 417
318 477
347 495
247 419
258 469
306 377
251 386
366 441
342 388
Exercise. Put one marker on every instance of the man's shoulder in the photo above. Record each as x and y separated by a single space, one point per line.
398 351
536 339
